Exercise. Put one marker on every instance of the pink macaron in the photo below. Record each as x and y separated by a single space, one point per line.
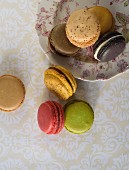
50 117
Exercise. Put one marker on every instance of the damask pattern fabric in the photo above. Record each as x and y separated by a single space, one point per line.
22 145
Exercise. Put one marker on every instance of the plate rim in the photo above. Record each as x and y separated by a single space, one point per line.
79 78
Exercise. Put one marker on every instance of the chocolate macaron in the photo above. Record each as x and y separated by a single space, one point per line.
59 43
109 46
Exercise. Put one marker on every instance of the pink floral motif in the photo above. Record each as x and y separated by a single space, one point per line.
43 18
42 29
122 64
77 4
67 15
90 51
96 3
116 1
84 65
86 73
101 76
62 2
76 64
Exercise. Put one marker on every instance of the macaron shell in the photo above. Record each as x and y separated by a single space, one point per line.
104 16
56 86
61 77
50 46
56 118
60 42
104 38
113 25
69 76
84 44
12 93
48 117
112 49
61 117
79 117
53 50
45 118
82 27
109 46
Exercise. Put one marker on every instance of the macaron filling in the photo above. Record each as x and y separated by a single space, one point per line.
60 117
61 72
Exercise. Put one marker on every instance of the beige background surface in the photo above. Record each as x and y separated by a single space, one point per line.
22 145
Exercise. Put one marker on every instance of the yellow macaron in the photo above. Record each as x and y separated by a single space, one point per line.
60 81
105 18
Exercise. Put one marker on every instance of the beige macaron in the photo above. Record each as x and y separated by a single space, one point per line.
12 93
83 28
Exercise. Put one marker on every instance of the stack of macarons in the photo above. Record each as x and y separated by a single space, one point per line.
77 116
84 28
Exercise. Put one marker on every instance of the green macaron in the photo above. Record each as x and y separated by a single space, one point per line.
79 116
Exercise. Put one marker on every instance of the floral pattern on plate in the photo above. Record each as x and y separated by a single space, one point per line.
83 66
22 144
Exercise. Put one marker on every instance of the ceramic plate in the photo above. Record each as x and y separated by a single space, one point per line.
83 66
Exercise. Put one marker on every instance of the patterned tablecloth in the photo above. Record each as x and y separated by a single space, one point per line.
22 145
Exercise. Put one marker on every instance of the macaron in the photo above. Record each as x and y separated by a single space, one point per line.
12 93
59 43
83 28
79 116
60 81
105 18
50 117
109 46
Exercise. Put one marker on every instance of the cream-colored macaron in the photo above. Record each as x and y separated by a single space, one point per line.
83 28
12 93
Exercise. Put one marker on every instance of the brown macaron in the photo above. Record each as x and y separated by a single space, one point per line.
83 28
12 93
59 43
